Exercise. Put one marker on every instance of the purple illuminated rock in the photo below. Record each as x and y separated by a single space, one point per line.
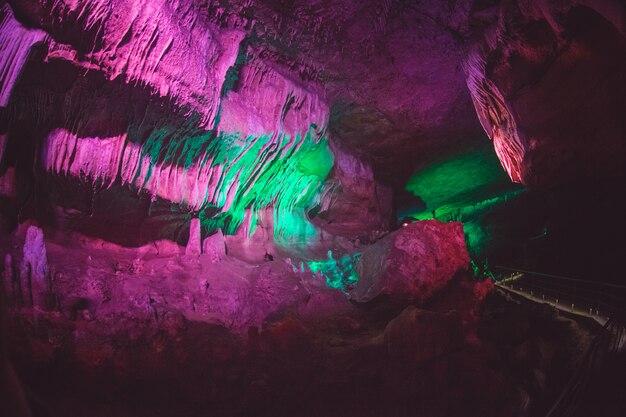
412 263
362 206
392 75
35 273
194 244
214 246
547 80
16 42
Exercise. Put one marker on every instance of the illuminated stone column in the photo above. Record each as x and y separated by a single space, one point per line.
35 274
194 245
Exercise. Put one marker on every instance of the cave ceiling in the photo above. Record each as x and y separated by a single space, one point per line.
396 86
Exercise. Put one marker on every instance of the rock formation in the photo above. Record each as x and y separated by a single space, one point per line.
194 244
214 246
411 263
219 188
34 271
547 81
214 108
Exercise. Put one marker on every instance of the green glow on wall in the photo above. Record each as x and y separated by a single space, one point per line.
318 161
464 188
292 226
250 172
338 273
463 179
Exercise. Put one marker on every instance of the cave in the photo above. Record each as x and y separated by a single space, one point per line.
312 208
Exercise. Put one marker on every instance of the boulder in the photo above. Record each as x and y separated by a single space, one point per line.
411 263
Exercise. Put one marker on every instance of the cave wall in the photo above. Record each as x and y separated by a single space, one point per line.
321 110
173 103
547 80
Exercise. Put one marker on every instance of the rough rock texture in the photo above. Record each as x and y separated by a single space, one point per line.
359 206
194 244
16 42
417 335
412 263
34 271
161 358
226 107
214 246
150 331
215 128
397 82
547 80
95 279
143 45
279 130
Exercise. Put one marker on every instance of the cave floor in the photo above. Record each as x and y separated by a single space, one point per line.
150 332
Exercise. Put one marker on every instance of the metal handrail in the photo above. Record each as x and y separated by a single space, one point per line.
601 283
610 338
597 299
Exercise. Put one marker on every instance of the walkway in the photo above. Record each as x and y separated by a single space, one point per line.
600 301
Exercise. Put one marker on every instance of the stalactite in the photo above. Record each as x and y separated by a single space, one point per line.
233 174
496 117
16 42
151 46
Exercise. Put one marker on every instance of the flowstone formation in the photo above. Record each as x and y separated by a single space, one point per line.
215 130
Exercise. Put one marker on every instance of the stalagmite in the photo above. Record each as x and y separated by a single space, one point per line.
194 245
35 274
214 247
7 276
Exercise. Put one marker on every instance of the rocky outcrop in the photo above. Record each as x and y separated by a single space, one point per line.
245 338
16 42
220 128
358 205
547 83
169 46
411 263
214 246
